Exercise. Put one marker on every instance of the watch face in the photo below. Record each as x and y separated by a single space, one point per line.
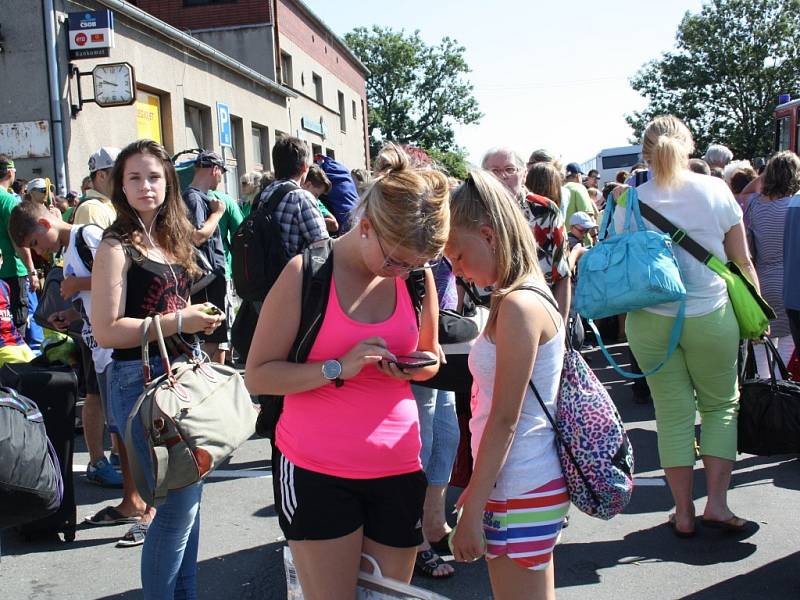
113 84
331 369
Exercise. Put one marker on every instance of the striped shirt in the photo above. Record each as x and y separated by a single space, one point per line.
766 221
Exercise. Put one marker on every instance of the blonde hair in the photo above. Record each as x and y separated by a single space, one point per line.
406 205
483 200
666 146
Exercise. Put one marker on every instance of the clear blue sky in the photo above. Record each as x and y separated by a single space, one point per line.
552 75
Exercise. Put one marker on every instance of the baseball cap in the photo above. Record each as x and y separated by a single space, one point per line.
103 158
582 220
37 184
574 169
208 159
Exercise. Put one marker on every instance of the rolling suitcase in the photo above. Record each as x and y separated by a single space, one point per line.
55 390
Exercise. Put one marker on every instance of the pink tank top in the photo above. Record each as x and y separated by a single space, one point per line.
369 427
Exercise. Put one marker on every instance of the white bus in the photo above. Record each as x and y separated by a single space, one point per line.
612 160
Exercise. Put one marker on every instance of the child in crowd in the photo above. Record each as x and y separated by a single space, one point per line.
516 501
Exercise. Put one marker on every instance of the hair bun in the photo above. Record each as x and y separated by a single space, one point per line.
391 159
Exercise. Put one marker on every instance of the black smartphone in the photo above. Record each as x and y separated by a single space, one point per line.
413 362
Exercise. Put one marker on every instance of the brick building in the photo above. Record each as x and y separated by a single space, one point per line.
286 42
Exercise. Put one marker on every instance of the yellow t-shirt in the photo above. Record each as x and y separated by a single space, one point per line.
95 210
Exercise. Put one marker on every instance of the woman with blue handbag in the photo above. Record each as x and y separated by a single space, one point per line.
701 374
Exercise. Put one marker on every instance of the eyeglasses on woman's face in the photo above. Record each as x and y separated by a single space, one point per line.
397 267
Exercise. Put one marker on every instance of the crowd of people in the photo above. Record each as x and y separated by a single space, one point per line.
511 234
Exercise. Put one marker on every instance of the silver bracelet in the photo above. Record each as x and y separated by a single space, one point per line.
179 319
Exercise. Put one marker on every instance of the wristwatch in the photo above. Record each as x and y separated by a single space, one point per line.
332 371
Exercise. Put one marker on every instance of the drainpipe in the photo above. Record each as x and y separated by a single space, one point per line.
55 98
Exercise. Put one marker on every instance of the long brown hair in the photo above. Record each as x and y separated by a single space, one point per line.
172 228
544 179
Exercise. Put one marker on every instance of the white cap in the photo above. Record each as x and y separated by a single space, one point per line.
104 158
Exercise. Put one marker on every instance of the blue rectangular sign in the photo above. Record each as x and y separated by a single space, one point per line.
91 19
224 119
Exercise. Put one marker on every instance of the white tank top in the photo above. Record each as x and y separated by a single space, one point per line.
532 460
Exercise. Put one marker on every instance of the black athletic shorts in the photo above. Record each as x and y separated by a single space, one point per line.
313 506
214 292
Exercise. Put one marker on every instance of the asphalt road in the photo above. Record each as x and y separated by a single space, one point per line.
633 556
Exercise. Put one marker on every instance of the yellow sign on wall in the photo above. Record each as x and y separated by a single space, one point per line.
148 116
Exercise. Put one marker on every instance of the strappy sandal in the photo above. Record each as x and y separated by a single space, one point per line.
134 537
427 562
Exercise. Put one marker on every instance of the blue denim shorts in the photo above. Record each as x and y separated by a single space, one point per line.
125 385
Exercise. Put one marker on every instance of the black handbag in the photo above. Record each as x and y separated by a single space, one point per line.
51 302
769 409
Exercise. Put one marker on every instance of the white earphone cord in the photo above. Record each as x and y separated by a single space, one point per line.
195 346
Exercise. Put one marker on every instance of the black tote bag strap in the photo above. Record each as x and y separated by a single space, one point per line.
678 235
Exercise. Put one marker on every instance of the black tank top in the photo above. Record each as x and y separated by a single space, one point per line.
151 290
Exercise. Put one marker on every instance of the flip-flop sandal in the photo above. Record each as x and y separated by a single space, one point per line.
110 516
134 536
678 532
734 524
427 562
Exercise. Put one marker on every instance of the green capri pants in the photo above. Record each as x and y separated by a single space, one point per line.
700 376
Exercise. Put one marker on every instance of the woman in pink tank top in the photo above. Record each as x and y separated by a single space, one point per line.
346 471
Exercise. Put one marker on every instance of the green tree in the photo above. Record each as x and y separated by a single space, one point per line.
415 92
454 162
723 77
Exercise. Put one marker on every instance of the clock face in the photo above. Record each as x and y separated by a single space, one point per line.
114 84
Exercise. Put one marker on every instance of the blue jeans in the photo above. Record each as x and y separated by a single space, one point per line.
438 426
169 555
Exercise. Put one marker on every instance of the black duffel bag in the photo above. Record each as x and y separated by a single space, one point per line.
30 476
769 409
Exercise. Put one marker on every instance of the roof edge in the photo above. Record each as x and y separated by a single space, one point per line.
140 16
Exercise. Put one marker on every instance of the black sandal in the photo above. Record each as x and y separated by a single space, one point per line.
427 562
442 546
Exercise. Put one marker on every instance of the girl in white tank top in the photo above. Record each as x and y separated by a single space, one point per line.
516 470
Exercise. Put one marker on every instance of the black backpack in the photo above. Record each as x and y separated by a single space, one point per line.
317 275
257 250
30 476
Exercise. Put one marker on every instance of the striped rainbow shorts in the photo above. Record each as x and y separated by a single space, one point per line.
525 528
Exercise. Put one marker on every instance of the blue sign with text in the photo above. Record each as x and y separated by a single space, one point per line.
224 118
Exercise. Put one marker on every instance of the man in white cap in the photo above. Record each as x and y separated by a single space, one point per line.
97 208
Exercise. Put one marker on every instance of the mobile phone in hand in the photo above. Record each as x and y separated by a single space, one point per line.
413 362
211 310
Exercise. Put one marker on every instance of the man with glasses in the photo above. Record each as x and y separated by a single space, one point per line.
544 218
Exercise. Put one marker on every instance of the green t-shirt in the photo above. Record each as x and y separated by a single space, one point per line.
68 214
12 265
228 224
